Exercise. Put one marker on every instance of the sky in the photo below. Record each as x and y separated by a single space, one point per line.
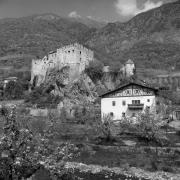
102 10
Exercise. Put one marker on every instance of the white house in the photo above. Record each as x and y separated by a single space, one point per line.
128 101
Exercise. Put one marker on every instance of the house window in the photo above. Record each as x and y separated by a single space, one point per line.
73 50
157 103
113 103
68 51
148 109
124 103
136 102
148 100
111 114
80 52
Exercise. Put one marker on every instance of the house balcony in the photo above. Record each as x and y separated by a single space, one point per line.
136 106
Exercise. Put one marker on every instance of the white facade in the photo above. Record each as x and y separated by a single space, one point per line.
76 56
128 101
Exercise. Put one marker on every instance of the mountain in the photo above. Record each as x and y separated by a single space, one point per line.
151 39
88 21
38 34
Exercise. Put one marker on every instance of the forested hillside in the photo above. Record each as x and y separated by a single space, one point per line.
151 39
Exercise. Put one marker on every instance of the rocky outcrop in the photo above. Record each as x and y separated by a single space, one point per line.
79 92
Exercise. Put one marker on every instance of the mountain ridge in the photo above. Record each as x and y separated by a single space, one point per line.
151 31
151 39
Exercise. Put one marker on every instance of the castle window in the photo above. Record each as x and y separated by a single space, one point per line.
148 100
113 103
80 52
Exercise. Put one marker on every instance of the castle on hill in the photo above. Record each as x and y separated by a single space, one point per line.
76 56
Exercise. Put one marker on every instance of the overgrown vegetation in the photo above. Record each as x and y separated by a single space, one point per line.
42 99
146 128
23 153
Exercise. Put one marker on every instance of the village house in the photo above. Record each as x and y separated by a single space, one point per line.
129 100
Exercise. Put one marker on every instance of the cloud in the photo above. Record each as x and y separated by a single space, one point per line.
149 5
74 14
90 17
130 7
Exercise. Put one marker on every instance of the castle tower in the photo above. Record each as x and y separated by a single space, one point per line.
129 68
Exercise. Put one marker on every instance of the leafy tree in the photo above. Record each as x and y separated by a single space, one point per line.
104 129
148 128
22 154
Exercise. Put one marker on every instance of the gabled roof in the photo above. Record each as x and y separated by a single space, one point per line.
129 62
128 84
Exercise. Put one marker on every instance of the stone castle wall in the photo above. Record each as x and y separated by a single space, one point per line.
76 56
